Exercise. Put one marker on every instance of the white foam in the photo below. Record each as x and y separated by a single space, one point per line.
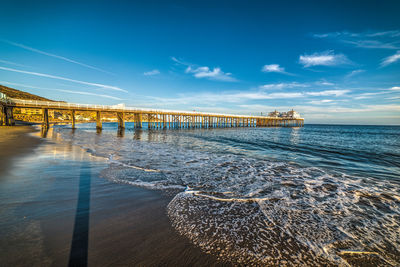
257 211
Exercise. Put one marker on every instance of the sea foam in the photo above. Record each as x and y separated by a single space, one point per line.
251 210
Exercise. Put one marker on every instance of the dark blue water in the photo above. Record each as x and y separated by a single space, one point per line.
372 151
320 194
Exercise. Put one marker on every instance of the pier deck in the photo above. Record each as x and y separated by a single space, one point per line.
155 118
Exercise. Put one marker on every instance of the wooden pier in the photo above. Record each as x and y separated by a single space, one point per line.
156 119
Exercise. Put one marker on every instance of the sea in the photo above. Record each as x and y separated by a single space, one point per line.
312 195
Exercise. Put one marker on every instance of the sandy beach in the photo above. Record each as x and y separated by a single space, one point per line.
14 141
55 210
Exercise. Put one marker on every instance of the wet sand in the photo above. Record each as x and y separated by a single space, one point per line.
15 141
57 211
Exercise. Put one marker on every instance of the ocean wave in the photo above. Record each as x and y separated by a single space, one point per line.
259 211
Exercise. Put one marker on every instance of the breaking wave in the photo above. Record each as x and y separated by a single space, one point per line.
250 210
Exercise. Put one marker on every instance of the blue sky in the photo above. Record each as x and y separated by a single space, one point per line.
333 61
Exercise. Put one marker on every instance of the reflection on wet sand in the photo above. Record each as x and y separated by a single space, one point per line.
63 149
44 131
121 132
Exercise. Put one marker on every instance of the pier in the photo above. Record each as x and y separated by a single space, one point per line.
156 119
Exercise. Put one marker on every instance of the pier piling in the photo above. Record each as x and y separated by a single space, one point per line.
3 116
99 125
73 118
7 116
45 118
121 120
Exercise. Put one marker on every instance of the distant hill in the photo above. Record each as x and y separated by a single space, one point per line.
14 93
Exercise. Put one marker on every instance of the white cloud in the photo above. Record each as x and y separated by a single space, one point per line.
180 62
262 95
12 63
388 107
282 85
372 44
273 68
321 102
370 39
205 72
209 98
152 72
376 94
327 58
313 110
65 79
214 74
23 85
362 97
60 90
384 33
354 72
324 83
88 93
329 92
391 59
368 95
53 55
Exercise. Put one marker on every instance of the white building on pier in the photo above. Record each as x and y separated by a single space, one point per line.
291 114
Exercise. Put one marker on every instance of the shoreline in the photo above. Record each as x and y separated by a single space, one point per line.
58 196
42 211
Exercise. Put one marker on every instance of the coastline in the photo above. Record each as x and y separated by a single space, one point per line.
58 201
41 211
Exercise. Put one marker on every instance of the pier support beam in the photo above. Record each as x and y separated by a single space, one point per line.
2 115
11 120
121 120
164 121
138 120
149 121
45 123
99 125
73 118
7 115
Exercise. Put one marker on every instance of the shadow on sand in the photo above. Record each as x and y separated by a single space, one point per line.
80 239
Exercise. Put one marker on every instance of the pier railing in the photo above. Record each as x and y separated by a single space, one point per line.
112 108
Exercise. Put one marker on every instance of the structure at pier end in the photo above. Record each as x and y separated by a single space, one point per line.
53 112
291 114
